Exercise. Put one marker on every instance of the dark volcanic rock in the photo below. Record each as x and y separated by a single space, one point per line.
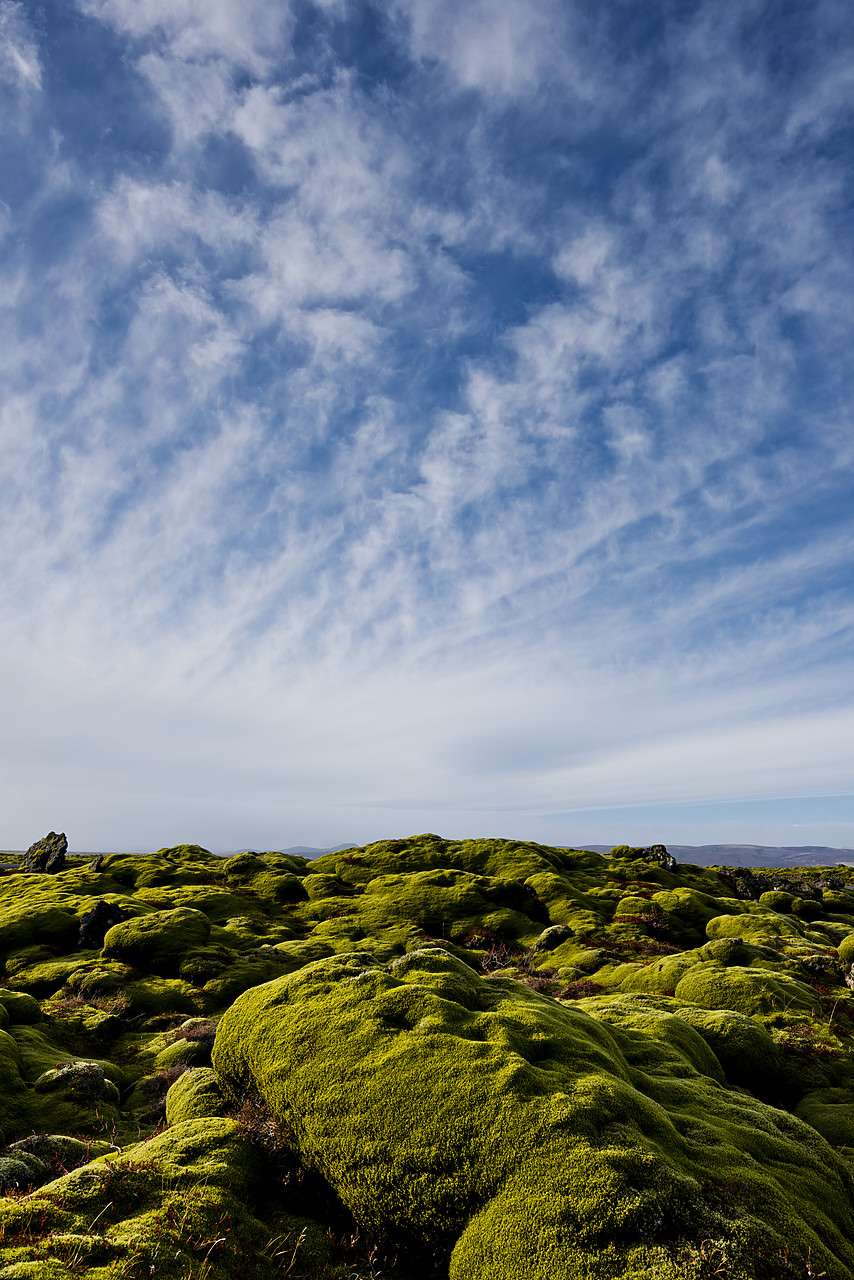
825 968
745 884
552 937
658 853
95 923
47 855
833 883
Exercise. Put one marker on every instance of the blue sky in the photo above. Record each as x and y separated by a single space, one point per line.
423 416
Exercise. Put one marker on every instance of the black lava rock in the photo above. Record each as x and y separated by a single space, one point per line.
658 853
95 923
48 855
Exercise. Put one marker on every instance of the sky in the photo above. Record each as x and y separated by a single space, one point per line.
423 416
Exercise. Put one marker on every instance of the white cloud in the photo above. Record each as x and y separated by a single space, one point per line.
136 219
247 33
20 64
197 97
826 104
193 51
509 48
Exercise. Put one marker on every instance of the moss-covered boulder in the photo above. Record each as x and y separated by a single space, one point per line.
58 1153
28 919
745 990
20 1007
831 1112
157 942
178 1207
85 1080
194 1095
20 1170
537 1140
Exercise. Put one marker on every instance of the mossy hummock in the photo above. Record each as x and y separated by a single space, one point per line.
533 1137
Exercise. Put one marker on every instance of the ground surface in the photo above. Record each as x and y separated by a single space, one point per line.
483 1060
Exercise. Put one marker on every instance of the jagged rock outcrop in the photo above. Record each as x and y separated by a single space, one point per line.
95 923
658 853
46 855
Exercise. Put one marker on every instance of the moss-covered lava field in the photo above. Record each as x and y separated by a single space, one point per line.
475 1060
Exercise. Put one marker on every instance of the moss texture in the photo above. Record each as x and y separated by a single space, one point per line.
466 1059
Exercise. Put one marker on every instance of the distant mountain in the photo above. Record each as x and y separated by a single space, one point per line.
301 850
306 851
753 855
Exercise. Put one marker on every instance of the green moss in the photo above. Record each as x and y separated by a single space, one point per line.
318 886
246 971
839 902
745 990
745 1049
84 1080
157 942
658 1040
150 996
35 1271
20 1170
20 1008
58 1153
11 1064
39 1053
218 904
754 927
194 1095
778 900
243 866
660 977
205 963
176 1206
534 1135
191 853
28 921
831 1113
443 903
191 1052
45 978
691 910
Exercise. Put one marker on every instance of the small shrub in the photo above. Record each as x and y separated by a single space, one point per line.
579 989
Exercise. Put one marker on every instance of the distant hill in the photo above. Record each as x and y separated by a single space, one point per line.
753 855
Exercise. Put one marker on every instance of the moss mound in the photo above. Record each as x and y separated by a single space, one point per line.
157 942
526 1133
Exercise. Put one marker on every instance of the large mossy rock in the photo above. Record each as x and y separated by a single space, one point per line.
27 919
158 942
177 1207
194 1095
537 1141
47 856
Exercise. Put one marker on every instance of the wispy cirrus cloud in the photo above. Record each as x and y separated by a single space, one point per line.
420 410
20 65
